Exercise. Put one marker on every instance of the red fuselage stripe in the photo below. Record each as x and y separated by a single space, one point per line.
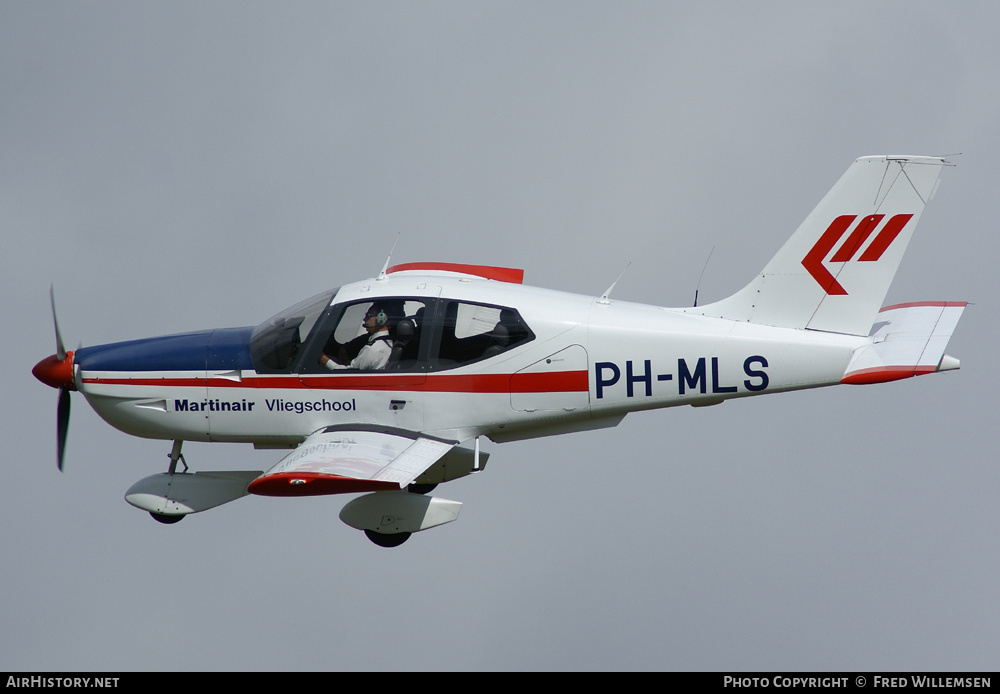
557 382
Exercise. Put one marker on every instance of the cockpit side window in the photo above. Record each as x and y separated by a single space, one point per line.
396 334
470 332
375 335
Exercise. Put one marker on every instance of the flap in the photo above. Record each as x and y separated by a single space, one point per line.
339 460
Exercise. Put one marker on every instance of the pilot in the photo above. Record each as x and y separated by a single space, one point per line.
375 353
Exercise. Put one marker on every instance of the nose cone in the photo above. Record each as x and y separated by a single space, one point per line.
55 372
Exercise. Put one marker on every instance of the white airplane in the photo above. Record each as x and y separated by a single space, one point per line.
374 385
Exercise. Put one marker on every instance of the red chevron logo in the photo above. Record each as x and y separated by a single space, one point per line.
813 262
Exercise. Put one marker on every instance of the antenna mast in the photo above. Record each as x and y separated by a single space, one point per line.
698 286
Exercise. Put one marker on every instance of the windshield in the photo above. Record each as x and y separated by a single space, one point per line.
275 343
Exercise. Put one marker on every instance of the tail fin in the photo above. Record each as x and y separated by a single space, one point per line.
835 270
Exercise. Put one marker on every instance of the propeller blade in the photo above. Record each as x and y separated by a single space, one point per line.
62 426
60 349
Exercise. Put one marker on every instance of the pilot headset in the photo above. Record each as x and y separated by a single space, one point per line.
379 314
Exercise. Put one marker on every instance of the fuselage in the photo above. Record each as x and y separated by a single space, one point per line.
478 356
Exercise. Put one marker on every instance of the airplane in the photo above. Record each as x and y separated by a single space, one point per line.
385 387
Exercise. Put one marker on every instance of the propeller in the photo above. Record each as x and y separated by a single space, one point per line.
62 426
60 350
57 371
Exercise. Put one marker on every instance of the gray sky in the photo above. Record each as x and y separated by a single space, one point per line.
184 165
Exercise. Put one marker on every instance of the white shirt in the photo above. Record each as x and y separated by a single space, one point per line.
372 357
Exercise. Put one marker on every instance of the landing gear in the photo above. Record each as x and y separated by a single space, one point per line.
387 539
167 520
389 518
175 455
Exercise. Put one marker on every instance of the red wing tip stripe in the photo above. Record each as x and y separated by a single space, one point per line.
912 304
885 374
502 274
314 484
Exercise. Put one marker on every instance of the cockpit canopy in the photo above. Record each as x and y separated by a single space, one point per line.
423 334
275 343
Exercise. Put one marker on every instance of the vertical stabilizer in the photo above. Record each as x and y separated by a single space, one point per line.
834 272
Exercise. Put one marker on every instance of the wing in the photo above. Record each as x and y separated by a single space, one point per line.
339 460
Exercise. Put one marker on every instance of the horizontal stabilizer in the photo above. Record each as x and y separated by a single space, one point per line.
907 340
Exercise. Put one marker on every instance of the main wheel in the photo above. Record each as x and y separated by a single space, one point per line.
387 539
168 520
